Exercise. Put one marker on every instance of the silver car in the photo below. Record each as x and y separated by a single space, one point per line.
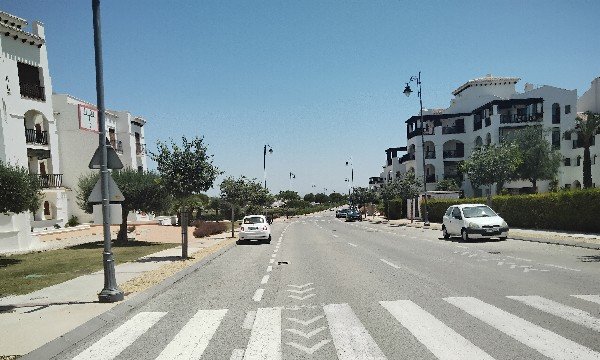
473 221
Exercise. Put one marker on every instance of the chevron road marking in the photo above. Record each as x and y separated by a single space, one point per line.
306 322
300 286
309 350
307 335
300 291
301 297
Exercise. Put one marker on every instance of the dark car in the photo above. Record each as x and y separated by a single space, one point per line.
353 215
341 213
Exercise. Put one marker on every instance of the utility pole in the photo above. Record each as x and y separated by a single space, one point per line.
111 291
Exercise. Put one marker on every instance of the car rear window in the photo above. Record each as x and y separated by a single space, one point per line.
254 220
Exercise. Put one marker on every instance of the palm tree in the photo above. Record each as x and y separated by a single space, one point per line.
586 128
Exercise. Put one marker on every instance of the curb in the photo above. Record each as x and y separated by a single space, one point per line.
68 340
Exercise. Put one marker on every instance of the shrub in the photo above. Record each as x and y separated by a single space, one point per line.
73 221
206 228
395 209
567 210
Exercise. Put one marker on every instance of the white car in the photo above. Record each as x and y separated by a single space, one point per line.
255 227
473 221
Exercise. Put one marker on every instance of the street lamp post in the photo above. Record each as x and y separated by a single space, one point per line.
349 163
407 91
348 180
292 176
270 149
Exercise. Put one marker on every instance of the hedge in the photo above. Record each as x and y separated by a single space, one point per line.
206 228
577 210
395 209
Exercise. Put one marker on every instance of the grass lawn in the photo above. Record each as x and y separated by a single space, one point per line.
22 274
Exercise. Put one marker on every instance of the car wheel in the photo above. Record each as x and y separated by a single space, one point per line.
238 242
465 235
502 238
269 240
445 233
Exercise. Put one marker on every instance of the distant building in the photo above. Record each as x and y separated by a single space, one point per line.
77 123
483 112
28 128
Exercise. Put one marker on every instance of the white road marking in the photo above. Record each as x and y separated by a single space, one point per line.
390 264
546 342
306 322
334 235
276 250
351 244
193 338
442 341
300 291
265 338
249 320
258 294
351 339
592 298
269 268
111 345
311 349
273 255
561 267
563 311
271 261
237 354
300 286
307 335
264 279
301 297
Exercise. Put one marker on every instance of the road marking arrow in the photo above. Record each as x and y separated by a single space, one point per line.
309 350
307 322
307 335
301 297
300 291
300 286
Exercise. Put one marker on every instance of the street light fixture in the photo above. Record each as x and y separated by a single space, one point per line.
407 91
349 163
292 176
270 149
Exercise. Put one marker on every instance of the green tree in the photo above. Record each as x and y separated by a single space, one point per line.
19 190
142 191
241 193
337 198
185 170
586 128
215 204
361 196
310 197
287 195
539 160
491 164
321 198
447 184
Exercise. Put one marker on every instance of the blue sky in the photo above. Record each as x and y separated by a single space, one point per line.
319 81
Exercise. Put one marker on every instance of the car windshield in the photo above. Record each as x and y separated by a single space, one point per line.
478 211
254 220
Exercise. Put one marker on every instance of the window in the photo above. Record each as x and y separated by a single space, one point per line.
567 186
449 211
578 161
567 135
556 138
555 113
567 109
29 81
456 212
567 161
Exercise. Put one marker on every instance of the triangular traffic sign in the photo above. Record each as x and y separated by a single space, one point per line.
114 193
113 161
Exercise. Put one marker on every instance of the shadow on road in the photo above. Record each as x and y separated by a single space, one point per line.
250 243
475 241
589 258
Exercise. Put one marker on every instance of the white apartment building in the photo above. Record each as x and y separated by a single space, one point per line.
483 111
392 169
77 124
590 101
28 135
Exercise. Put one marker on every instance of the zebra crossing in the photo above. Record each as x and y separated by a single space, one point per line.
348 336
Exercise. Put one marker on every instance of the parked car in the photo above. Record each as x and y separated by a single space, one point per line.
341 213
473 221
255 227
353 215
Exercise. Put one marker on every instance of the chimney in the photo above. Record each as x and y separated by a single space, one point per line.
38 29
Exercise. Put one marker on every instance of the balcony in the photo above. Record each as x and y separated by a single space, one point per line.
407 157
477 124
457 129
36 137
454 176
117 145
33 91
49 180
430 155
517 119
453 154
140 149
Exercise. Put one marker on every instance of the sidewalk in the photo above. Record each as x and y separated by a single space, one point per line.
589 241
32 320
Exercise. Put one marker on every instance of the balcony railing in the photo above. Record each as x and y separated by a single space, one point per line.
453 129
49 180
140 149
36 137
453 176
516 118
32 91
453 154
430 155
407 157
117 145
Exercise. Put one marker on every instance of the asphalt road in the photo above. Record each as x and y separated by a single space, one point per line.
326 289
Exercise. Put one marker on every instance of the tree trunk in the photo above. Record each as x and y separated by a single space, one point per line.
122 235
489 197
587 167
232 221
534 184
184 234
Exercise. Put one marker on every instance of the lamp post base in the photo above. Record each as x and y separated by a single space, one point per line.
111 295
